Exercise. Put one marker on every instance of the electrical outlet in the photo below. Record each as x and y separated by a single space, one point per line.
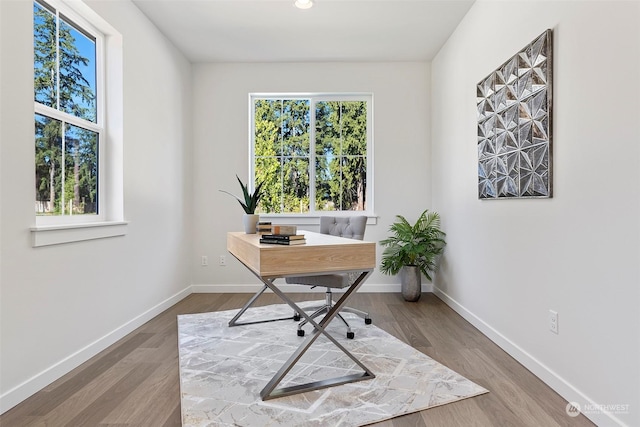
223 261
204 261
553 321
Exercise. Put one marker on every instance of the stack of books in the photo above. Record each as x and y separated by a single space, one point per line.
283 239
263 227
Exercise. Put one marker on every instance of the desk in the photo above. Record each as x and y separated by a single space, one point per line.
321 254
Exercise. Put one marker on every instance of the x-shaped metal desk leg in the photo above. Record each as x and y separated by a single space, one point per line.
234 321
270 391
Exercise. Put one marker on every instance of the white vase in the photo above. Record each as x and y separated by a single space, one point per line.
250 222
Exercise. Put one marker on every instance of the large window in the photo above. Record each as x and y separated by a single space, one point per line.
312 152
68 118
78 122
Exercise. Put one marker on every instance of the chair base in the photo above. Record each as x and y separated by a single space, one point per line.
324 309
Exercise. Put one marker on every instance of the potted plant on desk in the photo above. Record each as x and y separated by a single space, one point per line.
413 249
249 203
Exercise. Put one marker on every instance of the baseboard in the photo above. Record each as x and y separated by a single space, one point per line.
253 288
39 381
539 369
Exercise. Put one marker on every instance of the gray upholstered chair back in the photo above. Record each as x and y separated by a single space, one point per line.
351 227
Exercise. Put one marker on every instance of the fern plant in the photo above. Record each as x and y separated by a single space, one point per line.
417 245
250 200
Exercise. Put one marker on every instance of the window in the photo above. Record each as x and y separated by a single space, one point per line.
68 124
313 152
78 153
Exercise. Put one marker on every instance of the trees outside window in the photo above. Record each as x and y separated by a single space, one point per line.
67 121
312 152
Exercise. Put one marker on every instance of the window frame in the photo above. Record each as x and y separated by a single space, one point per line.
315 97
109 221
61 11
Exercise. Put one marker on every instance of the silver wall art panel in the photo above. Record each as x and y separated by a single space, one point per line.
514 125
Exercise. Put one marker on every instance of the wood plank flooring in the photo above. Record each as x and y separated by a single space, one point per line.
135 382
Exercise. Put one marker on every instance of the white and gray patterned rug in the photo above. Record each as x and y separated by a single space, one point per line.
223 370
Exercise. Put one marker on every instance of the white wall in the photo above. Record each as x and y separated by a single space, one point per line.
221 147
61 304
509 261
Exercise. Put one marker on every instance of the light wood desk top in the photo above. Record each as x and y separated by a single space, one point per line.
321 254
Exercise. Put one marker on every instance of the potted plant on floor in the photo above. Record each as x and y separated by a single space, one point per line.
413 249
249 203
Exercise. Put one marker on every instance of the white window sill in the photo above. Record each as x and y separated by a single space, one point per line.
59 234
310 219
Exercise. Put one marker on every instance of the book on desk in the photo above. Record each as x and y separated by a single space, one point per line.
284 230
283 239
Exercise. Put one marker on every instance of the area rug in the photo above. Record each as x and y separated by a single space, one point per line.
223 370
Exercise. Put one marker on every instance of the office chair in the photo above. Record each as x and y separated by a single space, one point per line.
352 227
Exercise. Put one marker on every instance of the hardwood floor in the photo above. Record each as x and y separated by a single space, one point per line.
135 382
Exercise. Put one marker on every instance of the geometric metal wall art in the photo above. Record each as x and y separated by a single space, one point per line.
514 125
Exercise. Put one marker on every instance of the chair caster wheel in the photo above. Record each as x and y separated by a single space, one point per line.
351 335
296 317
367 321
300 332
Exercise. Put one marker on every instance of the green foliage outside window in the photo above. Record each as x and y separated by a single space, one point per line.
66 161
283 148
341 150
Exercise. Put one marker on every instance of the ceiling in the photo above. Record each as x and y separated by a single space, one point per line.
332 30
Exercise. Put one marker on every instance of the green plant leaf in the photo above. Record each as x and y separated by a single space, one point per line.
418 245
250 201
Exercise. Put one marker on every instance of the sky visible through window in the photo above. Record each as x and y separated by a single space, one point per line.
87 49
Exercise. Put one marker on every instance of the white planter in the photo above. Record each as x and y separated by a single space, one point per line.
250 222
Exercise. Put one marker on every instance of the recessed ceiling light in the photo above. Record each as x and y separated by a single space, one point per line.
304 4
